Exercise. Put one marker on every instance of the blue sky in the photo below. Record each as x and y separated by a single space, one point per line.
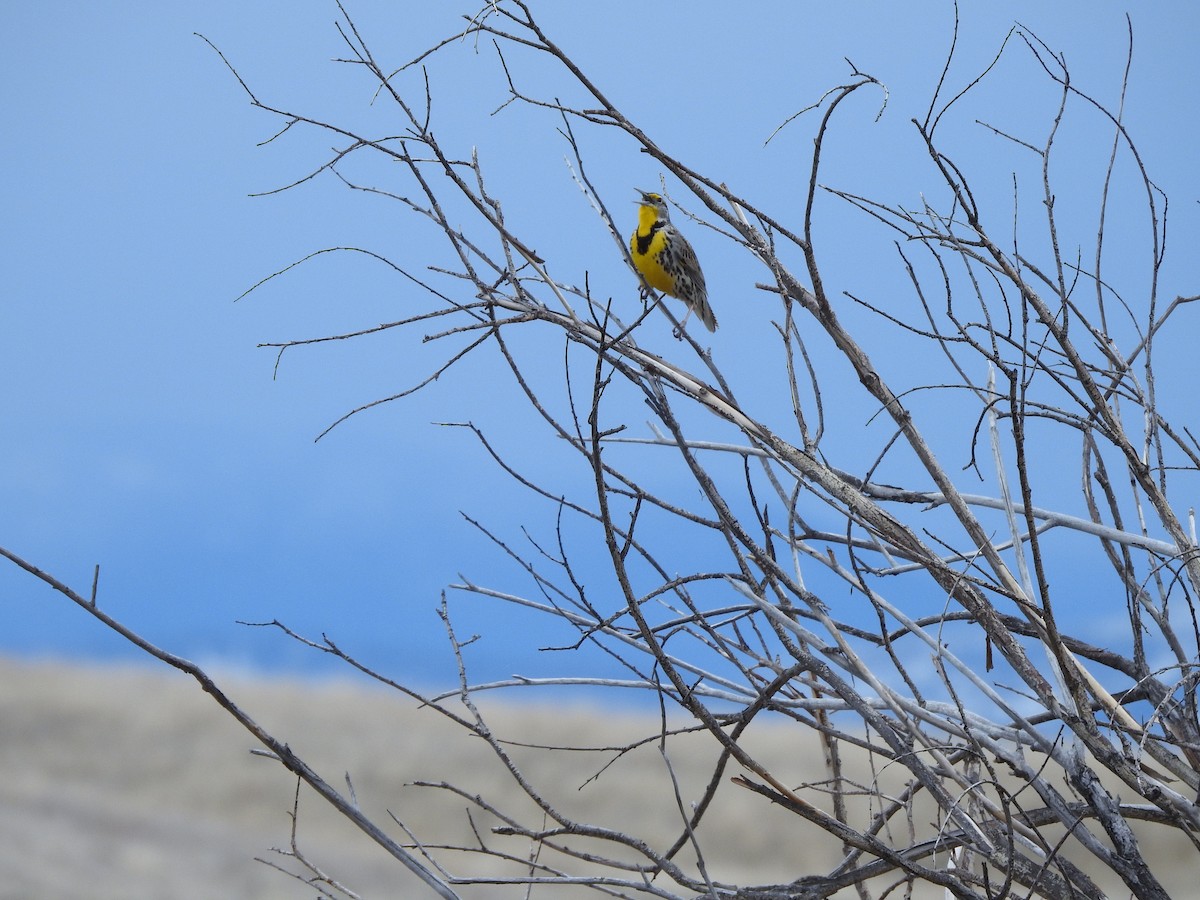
141 428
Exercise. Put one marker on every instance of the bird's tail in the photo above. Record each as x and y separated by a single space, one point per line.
704 312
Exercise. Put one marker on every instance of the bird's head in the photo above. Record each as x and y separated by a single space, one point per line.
655 202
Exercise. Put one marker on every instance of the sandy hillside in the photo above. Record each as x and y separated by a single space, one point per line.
133 783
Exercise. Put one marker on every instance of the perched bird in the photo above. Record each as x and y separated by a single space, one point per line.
667 261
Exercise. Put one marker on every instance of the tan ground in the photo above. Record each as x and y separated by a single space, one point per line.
133 783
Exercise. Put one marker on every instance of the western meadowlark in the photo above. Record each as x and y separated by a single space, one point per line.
667 261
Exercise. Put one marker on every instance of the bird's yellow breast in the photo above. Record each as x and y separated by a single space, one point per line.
646 246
